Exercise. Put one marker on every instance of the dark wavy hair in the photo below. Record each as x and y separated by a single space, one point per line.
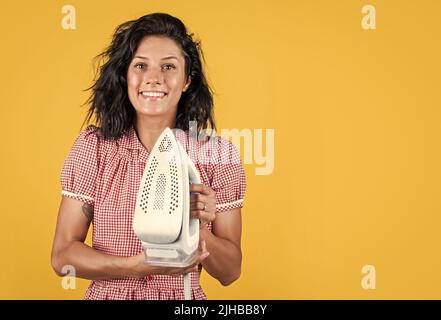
109 101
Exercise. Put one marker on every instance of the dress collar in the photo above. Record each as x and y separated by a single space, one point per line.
130 140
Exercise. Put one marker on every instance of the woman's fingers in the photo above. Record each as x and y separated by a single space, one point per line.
203 254
197 212
143 268
203 247
201 188
202 204
175 272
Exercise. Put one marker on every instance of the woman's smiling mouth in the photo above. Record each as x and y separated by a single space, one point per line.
153 95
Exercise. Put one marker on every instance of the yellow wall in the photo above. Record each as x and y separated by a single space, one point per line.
357 138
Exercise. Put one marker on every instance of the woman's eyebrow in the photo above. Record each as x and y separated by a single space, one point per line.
165 58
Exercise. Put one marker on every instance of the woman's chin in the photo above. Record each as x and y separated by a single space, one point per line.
151 110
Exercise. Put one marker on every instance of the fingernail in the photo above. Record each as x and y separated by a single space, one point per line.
206 254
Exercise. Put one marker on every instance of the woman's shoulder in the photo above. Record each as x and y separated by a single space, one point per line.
91 141
89 138
91 132
93 136
85 149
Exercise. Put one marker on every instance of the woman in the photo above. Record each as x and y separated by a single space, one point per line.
152 79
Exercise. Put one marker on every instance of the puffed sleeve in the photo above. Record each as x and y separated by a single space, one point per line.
229 179
80 169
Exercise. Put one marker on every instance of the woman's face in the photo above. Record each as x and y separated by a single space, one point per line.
156 77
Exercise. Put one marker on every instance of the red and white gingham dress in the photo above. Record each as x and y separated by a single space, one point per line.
107 174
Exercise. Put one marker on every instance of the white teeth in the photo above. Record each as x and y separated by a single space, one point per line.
152 94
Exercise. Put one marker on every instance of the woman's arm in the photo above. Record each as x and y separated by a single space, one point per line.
224 244
68 248
73 223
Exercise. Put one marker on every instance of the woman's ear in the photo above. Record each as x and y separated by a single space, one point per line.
187 84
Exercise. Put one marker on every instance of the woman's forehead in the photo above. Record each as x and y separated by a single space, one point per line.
156 47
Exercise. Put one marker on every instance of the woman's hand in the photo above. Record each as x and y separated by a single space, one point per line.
138 268
203 204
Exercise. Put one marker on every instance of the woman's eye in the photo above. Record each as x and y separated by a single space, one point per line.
169 66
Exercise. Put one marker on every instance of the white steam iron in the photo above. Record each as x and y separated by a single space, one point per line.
162 213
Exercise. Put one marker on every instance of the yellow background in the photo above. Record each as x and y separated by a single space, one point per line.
357 138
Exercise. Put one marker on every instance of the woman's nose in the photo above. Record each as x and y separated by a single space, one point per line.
153 75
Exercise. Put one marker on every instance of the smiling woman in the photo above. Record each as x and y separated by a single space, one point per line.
151 79
153 53
156 77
